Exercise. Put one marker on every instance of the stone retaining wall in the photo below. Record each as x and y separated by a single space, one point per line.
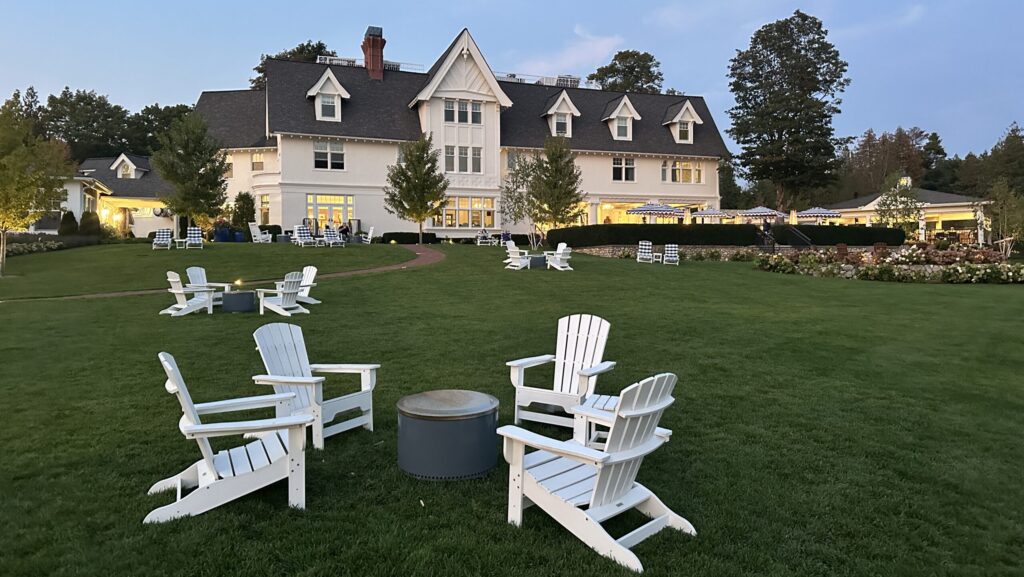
617 251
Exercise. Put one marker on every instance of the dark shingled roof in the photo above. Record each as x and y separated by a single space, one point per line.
149 185
379 109
236 118
924 195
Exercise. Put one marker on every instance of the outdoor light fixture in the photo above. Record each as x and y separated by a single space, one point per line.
238 282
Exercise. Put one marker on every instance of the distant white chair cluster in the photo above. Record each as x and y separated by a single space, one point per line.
163 239
199 294
645 254
518 259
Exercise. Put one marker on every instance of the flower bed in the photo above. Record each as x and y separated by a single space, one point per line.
958 265
16 249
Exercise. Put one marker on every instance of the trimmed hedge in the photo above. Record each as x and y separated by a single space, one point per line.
66 241
408 237
68 225
627 234
833 235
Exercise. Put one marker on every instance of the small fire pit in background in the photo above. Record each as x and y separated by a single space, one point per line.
239 301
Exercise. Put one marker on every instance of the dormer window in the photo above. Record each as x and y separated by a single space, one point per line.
327 94
619 114
328 106
622 128
681 119
559 112
685 132
126 171
561 124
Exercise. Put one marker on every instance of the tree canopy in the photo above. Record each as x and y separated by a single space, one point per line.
305 52
787 87
191 161
555 194
630 71
416 187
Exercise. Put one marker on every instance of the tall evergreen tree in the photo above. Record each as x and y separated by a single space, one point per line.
630 71
191 161
416 187
305 52
729 192
555 196
1006 159
787 85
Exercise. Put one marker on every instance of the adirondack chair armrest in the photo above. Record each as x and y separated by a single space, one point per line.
243 404
282 380
263 292
599 416
191 289
367 372
530 361
599 368
243 427
517 435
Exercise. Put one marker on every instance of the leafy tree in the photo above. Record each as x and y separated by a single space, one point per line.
243 212
87 122
899 206
1006 210
787 86
144 127
416 187
554 194
68 225
630 71
1006 159
305 52
972 176
191 161
32 172
729 191
514 199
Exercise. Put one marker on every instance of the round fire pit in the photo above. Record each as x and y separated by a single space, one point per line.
238 302
447 434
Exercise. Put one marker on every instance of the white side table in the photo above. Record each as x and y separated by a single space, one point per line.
656 257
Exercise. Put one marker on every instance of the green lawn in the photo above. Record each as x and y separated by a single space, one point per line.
821 426
124 267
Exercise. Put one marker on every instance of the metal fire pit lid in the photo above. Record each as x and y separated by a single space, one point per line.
447 404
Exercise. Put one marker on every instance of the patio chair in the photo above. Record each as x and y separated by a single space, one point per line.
559 259
197 279
517 259
578 359
331 238
218 478
202 299
645 252
671 254
259 236
193 238
581 487
283 350
302 236
162 239
367 237
308 282
284 299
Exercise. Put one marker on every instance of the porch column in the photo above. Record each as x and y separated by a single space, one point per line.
592 211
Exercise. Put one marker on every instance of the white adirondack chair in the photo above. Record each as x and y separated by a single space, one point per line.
559 259
218 478
193 238
366 238
671 254
308 282
184 304
162 239
284 355
578 361
283 300
564 477
302 236
510 247
197 279
517 259
259 236
645 252
332 238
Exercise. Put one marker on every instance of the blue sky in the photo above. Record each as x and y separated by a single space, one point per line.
952 66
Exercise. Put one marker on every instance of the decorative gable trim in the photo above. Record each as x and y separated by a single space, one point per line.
616 111
328 84
563 97
463 47
122 159
685 113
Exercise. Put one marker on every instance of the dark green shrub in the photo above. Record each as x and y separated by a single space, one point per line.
243 213
659 234
90 225
833 235
524 240
68 224
408 237
273 229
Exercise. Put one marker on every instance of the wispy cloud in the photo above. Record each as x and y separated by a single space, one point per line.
582 52
907 19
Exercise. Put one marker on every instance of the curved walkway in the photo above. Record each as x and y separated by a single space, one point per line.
424 256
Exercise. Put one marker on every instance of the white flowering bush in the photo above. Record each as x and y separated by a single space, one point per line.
16 249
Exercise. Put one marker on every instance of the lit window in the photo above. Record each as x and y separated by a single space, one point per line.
257 161
449 159
561 124
463 159
329 156
622 127
126 171
477 117
229 166
449 111
477 159
467 212
264 209
463 112
677 171
328 106
684 131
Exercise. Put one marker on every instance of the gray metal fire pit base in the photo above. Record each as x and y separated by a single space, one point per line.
447 435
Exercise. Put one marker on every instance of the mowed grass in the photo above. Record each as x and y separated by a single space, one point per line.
821 426
136 266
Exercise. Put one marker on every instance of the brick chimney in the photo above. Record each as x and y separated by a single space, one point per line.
373 52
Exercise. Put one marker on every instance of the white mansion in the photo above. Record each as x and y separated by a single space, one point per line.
317 141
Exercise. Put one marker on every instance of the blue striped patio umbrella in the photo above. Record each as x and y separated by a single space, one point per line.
818 212
761 212
657 210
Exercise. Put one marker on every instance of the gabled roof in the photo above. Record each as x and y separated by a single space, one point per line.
149 185
555 100
678 110
236 118
929 197
465 46
615 106
328 77
137 162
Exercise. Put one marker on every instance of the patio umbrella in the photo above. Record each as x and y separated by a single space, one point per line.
712 212
761 212
651 209
818 212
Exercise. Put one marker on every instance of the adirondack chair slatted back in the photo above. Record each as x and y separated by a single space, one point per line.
193 235
174 279
671 252
581 341
636 419
645 251
284 355
196 275
175 385
162 236
331 235
561 248
255 231
308 278
290 290
303 232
